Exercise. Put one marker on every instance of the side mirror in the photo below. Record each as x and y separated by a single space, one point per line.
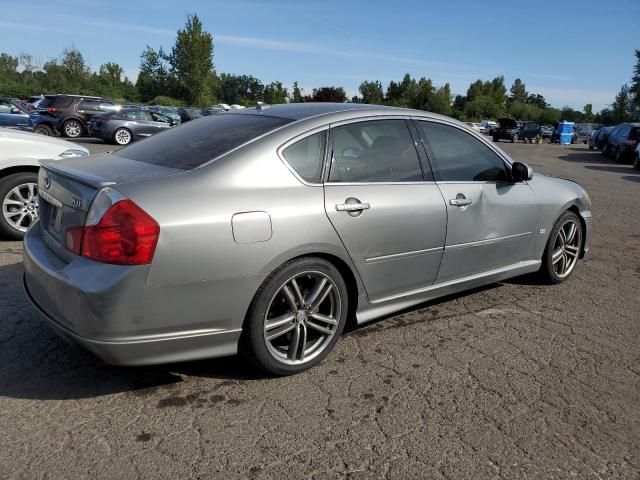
521 172
15 110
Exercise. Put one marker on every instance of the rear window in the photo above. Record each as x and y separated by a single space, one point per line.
634 134
195 143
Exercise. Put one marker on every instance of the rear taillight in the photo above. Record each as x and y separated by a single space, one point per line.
631 143
117 231
51 109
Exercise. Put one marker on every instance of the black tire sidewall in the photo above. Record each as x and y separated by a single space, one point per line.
252 342
43 128
547 263
6 184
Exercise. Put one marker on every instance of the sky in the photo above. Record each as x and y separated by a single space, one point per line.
573 55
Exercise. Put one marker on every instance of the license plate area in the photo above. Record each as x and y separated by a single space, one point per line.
51 213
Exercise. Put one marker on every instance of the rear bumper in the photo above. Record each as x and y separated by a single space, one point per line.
111 311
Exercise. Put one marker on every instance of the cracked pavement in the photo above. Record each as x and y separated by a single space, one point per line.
514 380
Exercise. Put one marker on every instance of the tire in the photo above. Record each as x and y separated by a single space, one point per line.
619 157
636 161
605 149
551 271
72 129
122 136
283 354
515 138
496 139
43 130
15 218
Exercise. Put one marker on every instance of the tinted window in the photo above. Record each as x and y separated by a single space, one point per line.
5 107
88 105
458 156
634 134
375 151
305 156
195 143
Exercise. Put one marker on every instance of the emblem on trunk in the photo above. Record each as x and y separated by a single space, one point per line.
47 182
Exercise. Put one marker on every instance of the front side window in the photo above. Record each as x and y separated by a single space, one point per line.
457 156
5 107
374 151
305 156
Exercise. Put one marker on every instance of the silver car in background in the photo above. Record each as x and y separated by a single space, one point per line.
263 230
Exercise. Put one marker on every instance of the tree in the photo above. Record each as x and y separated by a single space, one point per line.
538 100
153 79
518 92
241 89
634 89
296 95
8 64
621 108
275 93
588 113
191 61
327 94
372 92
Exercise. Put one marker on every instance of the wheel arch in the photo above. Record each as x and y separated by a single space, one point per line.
583 226
5 172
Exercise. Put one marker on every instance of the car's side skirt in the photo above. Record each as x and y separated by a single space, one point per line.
370 310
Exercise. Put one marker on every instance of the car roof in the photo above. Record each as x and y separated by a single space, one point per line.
304 111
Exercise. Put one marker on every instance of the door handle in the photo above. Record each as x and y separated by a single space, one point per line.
352 207
460 201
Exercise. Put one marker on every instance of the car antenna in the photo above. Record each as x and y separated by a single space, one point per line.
262 106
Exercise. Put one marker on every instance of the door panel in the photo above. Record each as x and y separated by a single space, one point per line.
396 244
495 230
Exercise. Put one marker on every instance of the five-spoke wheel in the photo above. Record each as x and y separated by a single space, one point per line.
563 248
296 317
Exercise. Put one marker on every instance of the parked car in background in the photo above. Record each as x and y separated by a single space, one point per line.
474 126
636 158
546 132
622 141
20 153
599 137
486 126
528 131
189 113
584 131
14 115
211 111
33 102
72 112
170 112
507 129
235 106
224 106
128 125
268 264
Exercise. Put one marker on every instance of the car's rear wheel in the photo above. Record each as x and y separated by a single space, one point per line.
605 149
122 136
636 161
296 317
19 197
515 138
43 130
563 249
496 139
72 129
619 156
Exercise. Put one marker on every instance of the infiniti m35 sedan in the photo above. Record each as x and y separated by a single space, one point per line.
263 230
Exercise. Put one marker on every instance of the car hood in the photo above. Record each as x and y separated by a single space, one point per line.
507 123
16 144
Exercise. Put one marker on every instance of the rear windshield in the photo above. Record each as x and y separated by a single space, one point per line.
195 143
634 134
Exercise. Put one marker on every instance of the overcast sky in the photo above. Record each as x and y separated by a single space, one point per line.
572 55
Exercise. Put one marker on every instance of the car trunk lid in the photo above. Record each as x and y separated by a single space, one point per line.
66 189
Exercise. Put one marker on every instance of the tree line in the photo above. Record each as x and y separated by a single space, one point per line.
185 75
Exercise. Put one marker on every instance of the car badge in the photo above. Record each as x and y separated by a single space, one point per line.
47 182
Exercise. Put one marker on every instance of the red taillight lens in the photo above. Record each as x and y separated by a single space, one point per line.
632 143
51 109
125 235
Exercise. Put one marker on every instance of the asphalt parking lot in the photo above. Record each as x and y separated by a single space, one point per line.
516 380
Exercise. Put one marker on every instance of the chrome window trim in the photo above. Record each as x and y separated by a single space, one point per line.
335 184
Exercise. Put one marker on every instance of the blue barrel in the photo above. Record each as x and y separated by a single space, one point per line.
565 138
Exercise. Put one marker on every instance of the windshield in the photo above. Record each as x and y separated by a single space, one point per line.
195 143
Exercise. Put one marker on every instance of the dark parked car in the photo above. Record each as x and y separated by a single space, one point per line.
14 115
529 131
546 132
129 125
622 141
507 130
72 112
188 114
598 137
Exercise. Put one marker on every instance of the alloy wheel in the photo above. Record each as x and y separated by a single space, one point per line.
302 317
566 249
20 206
123 137
72 129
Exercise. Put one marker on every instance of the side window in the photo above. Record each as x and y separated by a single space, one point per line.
374 151
305 156
457 156
158 117
131 115
5 107
88 105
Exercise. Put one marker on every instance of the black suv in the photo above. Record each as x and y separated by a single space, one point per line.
72 112
509 129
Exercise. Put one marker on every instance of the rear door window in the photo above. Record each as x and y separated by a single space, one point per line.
305 156
195 143
89 105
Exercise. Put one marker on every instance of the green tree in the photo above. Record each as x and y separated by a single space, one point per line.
296 94
518 92
327 94
191 61
372 92
538 100
588 113
241 89
153 78
621 108
8 64
275 93
634 89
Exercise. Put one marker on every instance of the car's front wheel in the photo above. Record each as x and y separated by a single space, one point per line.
563 249
72 129
122 136
296 317
19 197
43 130
515 138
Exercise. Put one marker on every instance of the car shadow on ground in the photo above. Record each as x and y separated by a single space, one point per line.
37 364
606 163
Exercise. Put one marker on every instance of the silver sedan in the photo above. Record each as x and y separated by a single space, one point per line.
263 231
